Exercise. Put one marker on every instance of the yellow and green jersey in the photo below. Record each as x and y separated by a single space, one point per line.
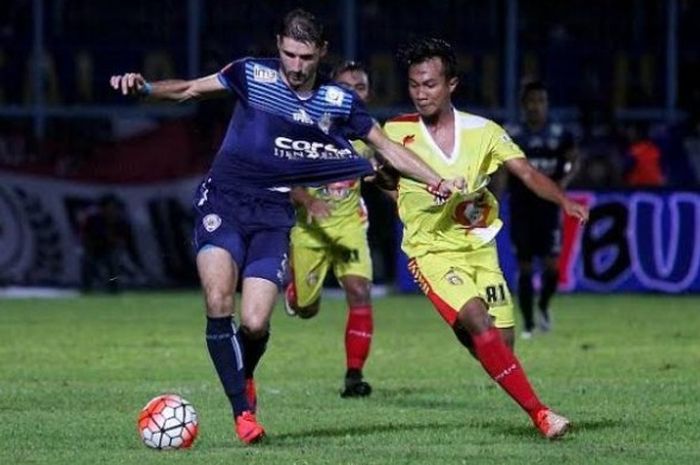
347 207
467 220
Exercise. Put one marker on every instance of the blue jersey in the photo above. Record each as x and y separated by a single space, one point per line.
277 139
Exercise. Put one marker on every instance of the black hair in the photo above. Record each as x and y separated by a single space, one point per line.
302 26
422 49
532 86
351 66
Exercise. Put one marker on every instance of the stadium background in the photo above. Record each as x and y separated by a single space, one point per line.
66 139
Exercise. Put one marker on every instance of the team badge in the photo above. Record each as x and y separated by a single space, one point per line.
453 278
312 278
264 74
211 222
335 96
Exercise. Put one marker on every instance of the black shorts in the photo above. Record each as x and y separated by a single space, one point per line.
535 237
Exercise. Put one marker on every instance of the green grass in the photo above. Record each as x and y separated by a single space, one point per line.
75 372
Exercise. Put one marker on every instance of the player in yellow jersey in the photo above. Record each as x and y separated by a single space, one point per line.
331 231
450 241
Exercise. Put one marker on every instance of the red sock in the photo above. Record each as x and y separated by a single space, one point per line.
358 336
500 363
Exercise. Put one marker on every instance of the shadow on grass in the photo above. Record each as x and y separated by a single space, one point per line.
576 427
364 430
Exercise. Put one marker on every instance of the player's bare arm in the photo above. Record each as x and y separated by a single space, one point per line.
316 209
572 166
409 164
545 187
179 90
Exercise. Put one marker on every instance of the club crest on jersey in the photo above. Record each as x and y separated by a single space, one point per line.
264 74
301 116
335 96
453 278
312 278
324 124
211 222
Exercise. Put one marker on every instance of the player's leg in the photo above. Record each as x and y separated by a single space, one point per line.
522 239
353 267
443 281
550 281
309 266
220 249
263 277
218 275
526 293
550 275
359 329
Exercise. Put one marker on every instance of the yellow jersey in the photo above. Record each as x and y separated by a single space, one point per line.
468 220
344 199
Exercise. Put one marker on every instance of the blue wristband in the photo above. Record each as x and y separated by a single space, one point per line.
146 89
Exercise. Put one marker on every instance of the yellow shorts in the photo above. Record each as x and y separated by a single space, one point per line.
346 250
451 279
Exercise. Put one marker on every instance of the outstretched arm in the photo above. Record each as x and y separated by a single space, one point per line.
316 209
545 187
409 164
172 89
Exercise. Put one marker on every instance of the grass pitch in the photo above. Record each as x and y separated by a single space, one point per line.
75 372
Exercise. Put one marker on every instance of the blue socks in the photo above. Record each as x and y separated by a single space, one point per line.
226 352
253 350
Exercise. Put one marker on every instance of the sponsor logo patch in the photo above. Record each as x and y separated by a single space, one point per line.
296 149
264 74
211 222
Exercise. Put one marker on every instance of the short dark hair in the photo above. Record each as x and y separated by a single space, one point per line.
349 65
302 26
531 86
422 49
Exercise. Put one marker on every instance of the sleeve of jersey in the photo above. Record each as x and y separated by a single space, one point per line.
501 148
233 77
359 121
391 132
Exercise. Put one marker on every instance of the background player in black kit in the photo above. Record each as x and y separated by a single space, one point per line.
535 223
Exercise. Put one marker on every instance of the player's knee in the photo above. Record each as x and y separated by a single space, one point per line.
218 303
463 336
525 268
358 292
255 329
474 317
309 311
552 272
508 336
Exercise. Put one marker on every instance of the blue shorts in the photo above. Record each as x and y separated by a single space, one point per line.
254 229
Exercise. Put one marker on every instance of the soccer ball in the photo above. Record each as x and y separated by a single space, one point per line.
168 422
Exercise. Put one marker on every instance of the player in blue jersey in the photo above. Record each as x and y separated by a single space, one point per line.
290 127
536 223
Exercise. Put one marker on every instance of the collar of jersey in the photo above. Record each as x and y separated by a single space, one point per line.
436 148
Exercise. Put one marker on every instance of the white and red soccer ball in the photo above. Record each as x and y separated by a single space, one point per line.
168 422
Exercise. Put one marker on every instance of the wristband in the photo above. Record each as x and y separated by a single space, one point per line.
436 187
146 89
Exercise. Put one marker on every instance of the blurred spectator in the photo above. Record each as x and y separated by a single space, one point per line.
601 162
104 236
691 146
643 161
